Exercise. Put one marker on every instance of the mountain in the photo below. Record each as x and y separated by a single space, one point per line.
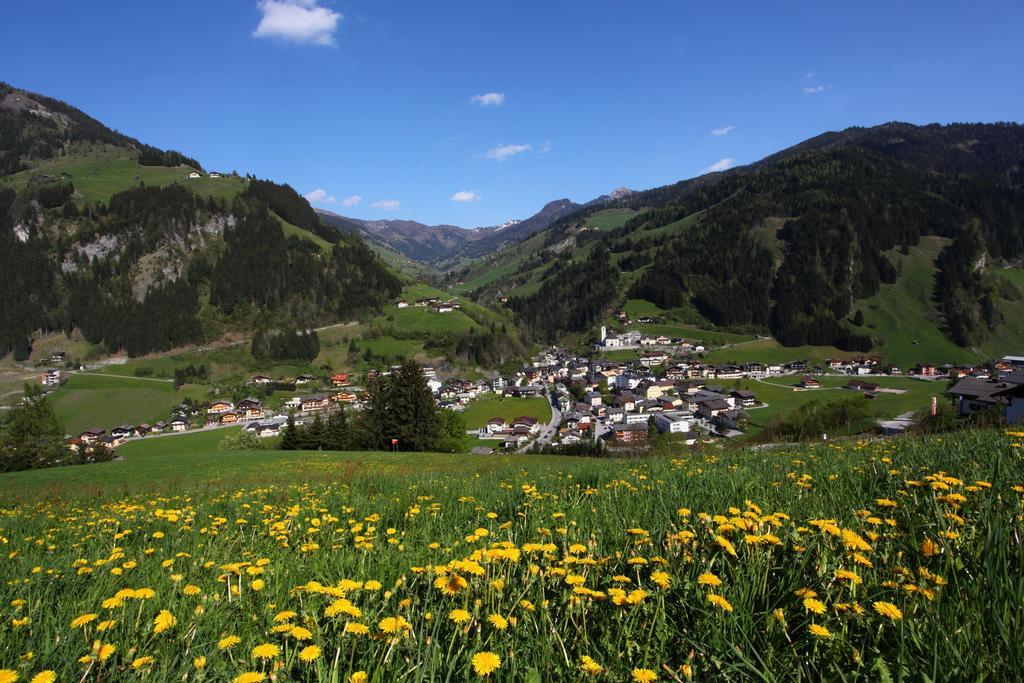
140 250
443 245
797 244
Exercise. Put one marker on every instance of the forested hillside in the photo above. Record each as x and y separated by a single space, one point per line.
157 266
791 244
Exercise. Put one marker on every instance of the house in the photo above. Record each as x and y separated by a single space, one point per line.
1006 392
658 388
592 398
649 360
313 403
229 417
673 422
530 424
709 408
179 423
159 426
925 370
629 433
260 379
250 409
492 428
304 379
58 357
444 308
807 382
294 402
339 379
194 175
860 385
402 303
50 378
122 432
143 429
344 397
214 174
91 436
219 407
498 384
744 397
1015 363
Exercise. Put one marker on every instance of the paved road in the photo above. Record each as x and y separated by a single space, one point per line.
548 432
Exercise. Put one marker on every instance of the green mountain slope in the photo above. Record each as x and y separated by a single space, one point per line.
796 244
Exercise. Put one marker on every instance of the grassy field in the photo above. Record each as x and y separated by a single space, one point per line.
105 401
779 394
610 218
481 410
859 561
99 175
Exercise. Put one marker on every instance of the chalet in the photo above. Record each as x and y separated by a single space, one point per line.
304 379
592 398
229 417
925 370
807 382
744 397
293 403
1015 363
860 385
530 424
214 174
498 384
308 404
402 303
709 408
219 407
677 372
728 372
50 378
339 379
250 409
629 433
143 429
658 388
615 415
494 426
159 426
344 397
58 357
91 436
260 379
195 174
444 308
122 431
179 423
1007 393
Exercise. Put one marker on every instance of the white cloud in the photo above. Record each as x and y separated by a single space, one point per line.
489 99
809 75
719 165
354 200
387 205
502 152
298 21
814 90
724 130
465 196
320 196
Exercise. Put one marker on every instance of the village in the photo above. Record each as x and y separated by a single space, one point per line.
592 400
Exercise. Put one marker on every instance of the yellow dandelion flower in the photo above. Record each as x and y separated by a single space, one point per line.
266 651
310 653
709 579
8 676
142 661
356 629
163 621
888 610
199 662
814 605
79 622
48 676
820 631
497 621
300 633
103 650
250 677
590 667
459 616
358 677
720 602
228 641
484 663
644 676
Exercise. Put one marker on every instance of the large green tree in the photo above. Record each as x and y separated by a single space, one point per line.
34 437
401 407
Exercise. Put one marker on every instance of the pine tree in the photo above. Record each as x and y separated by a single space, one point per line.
336 436
35 436
289 437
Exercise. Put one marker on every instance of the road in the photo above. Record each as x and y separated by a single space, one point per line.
547 432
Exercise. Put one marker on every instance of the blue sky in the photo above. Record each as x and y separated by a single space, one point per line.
375 99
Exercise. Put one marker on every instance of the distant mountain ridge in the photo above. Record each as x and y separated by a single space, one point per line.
437 244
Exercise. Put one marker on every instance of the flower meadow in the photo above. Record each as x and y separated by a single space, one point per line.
864 560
